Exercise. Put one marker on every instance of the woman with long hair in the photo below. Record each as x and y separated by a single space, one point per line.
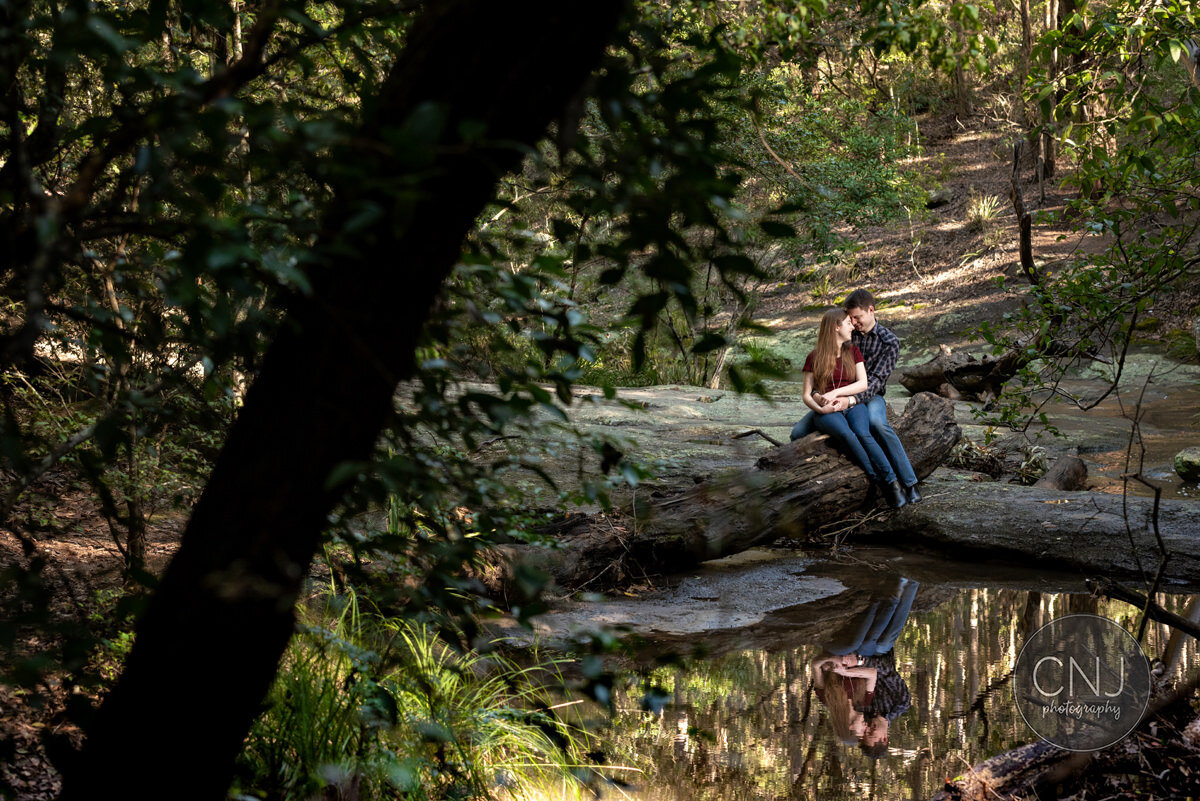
862 695
833 374
847 689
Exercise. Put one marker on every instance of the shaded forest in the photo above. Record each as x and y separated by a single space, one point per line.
276 275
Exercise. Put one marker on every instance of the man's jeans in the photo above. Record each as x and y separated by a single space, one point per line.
881 430
876 630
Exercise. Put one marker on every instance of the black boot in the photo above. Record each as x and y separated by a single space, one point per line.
894 492
912 494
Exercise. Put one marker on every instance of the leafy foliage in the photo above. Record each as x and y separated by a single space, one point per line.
1125 110
384 708
168 167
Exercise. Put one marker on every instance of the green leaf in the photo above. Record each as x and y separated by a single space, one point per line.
106 33
736 264
647 306
345 473
709 341
777 229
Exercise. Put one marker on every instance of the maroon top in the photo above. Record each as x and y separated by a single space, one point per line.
840 377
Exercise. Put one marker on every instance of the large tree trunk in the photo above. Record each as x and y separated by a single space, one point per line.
208 646
799 487
1096 534
1049 142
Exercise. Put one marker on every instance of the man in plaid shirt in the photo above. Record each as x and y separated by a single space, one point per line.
880 349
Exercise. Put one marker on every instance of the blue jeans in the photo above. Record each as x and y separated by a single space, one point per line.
876 630
887 438
881 430
852 431
806 425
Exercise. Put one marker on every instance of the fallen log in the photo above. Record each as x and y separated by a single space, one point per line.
1017 774
1042 770
1111 589
1067 473
1092 533
787 493
961 376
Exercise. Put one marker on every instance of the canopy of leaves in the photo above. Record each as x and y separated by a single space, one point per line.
169 168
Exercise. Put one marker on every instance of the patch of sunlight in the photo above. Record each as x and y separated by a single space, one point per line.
953 275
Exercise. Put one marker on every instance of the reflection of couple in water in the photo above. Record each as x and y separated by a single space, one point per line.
855 674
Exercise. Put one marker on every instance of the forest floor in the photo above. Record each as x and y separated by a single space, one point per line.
939 266
948 260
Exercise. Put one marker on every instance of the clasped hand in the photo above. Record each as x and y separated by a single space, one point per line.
829 405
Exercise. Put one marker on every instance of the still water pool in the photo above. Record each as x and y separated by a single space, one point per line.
745 716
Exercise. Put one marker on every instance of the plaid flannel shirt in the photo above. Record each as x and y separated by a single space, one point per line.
881 350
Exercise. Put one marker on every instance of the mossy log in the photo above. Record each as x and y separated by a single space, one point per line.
787 493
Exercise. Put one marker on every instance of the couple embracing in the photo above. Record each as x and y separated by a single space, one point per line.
844 380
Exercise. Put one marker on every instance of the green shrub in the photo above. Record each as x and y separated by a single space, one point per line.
1182 345
982 211
384 708
760 352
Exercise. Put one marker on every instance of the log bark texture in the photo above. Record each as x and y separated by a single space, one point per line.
1092 533
961 376
787 493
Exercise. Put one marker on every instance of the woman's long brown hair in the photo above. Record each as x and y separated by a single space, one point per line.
840 705
825 354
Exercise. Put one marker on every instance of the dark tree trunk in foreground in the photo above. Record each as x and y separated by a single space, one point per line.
208 647
789 492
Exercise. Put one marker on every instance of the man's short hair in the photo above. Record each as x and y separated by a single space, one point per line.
859 299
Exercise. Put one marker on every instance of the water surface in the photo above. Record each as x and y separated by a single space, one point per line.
746 721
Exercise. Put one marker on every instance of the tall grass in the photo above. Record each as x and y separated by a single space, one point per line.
369 707
982 210
482 723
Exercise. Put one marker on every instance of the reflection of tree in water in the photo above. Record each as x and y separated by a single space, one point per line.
747 725
1037 612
